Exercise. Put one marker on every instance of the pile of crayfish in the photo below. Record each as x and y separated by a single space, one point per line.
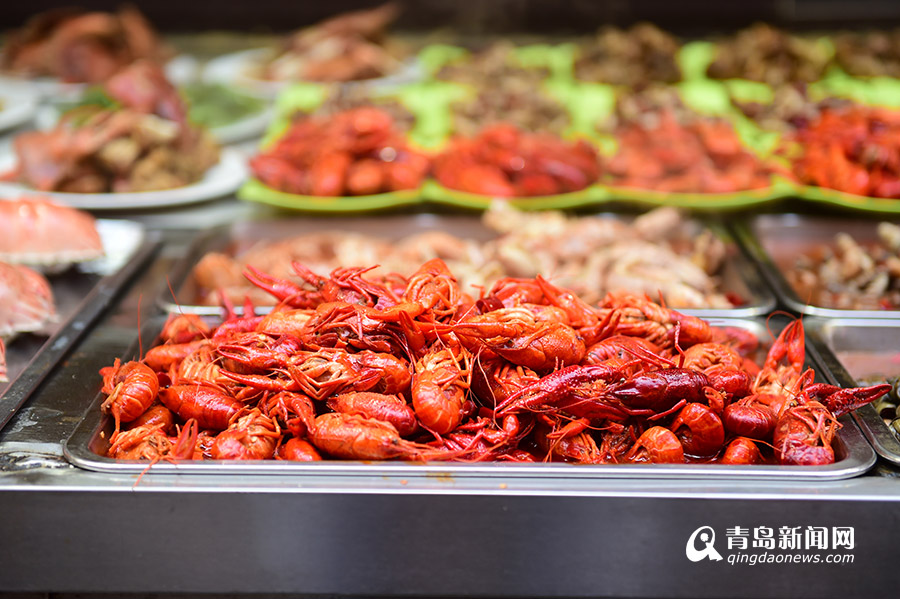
701 155
356 152
415 368
855 150
504 161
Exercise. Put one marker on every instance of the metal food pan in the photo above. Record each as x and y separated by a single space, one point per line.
739 275
856 351
775 241
854 456
81 294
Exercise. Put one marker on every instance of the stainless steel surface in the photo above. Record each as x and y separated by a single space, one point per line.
88 444
738 274
775 241
880 342
81 295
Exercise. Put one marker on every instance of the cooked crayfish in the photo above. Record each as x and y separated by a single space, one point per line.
505 377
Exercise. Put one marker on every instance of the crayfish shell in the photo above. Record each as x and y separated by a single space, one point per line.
38 233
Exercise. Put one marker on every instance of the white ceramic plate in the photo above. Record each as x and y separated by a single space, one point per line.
235 69
17 105
222 179
180 69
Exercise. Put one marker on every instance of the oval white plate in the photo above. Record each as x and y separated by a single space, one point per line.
222 179
234 69
18 105
180 69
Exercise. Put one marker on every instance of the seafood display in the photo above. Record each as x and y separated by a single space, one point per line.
633 57
415 368
850 275
355 152
37 232
764 53
660 252
349 47
504 161
664 151
79 46
26 300
870 54
854 150
144 144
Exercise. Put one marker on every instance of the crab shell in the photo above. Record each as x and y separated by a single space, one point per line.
42 234
26 301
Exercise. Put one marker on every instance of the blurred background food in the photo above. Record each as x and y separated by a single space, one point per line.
81 46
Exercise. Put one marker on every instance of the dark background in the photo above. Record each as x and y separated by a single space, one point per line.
495 16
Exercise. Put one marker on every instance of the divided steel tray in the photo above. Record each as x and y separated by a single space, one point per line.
775 241
81 294
857 352
739 275
854 456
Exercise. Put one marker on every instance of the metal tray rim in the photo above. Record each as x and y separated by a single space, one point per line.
857 462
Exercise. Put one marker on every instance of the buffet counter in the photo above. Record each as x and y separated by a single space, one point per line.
410 534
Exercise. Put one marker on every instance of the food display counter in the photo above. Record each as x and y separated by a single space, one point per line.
567 192
396 533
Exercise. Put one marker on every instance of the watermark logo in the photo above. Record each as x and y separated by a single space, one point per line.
708 539
765 545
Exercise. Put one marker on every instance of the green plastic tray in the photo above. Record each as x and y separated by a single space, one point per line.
849 200
255 191
590 196
752 198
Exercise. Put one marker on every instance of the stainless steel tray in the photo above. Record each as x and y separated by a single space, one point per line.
81 294
738 276
776 240
853 349
853 454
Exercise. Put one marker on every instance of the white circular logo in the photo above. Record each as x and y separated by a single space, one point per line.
707 538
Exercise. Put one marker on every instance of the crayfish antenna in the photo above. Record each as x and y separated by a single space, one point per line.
172 292
643 354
